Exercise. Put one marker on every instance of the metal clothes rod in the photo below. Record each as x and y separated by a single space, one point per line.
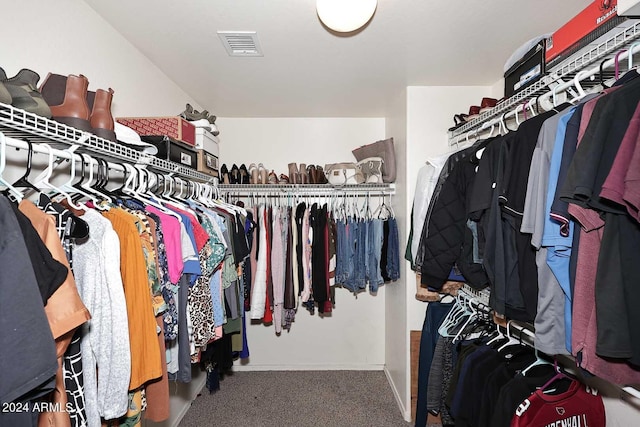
285 190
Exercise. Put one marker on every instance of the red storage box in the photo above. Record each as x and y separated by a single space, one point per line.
173 127
595 20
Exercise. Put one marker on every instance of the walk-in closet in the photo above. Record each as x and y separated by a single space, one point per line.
319 212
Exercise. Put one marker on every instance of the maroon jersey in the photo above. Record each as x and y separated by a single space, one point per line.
577 407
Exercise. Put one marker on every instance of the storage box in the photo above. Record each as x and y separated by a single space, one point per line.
207 163
629 8
526 71
205 140
595 20
173 150
173 127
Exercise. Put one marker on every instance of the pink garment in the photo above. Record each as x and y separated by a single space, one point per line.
201 236
584 331
307 240
631 193
613 187
171 231
277 269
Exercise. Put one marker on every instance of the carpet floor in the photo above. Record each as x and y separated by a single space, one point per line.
298 399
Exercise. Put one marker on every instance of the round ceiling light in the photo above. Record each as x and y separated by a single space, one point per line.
345 15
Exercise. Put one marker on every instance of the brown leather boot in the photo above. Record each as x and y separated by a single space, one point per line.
304 176
101 120
294 175
67 98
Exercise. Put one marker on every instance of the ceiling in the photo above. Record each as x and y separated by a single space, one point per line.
306 71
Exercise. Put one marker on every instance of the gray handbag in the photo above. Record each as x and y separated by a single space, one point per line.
384 149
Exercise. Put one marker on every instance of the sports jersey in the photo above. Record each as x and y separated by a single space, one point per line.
577 407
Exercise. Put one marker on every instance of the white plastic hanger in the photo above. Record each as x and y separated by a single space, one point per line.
578 86
3 163
43 179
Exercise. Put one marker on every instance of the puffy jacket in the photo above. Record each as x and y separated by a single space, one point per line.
448 240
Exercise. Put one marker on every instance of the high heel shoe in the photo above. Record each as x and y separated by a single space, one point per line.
321 178
234 174
262 174
224 173
273 178
294 175
253 172
284 179
244 174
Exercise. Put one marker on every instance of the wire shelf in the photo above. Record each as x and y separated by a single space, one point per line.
565 70
21 124
326 189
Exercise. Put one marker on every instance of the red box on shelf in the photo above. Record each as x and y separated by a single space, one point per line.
173 127
587 24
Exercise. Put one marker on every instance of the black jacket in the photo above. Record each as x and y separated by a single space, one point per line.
448 240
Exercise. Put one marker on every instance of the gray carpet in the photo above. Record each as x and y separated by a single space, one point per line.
298 399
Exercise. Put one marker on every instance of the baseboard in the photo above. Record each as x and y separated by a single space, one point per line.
406 412
198 385
310 367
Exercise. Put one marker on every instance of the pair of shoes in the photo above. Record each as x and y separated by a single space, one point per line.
253 174
21 91
294 174
73 104
192 115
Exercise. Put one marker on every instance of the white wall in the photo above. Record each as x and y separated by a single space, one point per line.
396 332
68 37
352 337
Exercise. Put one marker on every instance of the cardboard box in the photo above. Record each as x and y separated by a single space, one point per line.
526 71
175 151
595 20
207 163
206 141
173 127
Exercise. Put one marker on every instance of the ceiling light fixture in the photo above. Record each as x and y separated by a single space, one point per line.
345 16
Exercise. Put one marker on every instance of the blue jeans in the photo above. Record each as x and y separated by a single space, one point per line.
374 250
393 252
342 249
360 259
351 232
433 318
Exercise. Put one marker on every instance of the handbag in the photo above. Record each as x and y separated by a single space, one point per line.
384 149
343 173
371 169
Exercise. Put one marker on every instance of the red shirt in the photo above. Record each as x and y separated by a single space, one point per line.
577 407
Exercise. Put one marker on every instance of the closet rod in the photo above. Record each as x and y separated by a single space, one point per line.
582 75
20 144
560 88
316 189
68 154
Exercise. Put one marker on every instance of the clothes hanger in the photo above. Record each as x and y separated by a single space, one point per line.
43 179
578 86
558 376
616 62
23 181
511 340
10 190
89 186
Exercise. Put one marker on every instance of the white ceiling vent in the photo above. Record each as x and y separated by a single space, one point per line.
240 43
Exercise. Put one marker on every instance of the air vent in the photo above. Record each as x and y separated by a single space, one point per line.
240 43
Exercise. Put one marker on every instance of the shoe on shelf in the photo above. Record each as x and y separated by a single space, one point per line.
474 112
284 179
224 174
262 174
212 119
294 175
234 174
487 104
273 178
21 91
253 174
244 175
101 120
458 120
67 98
